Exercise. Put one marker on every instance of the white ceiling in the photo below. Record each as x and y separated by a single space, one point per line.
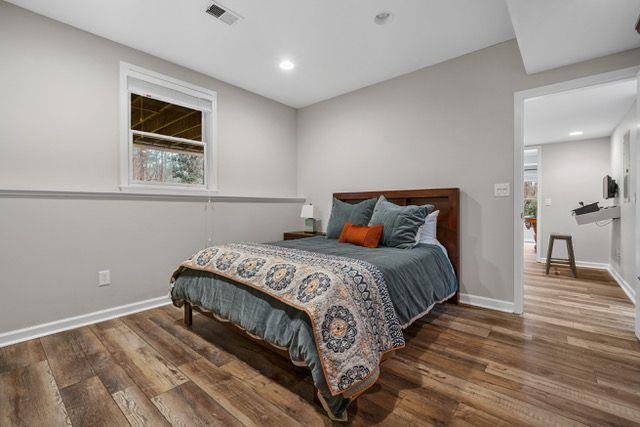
596 111
552 33
335 44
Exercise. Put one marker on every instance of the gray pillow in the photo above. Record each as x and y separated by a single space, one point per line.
342 213
400 223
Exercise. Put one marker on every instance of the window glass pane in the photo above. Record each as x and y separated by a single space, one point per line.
530 184
155 116
164 163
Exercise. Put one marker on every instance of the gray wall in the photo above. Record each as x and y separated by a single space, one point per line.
572 172
60 112
623 237
446 125
59 109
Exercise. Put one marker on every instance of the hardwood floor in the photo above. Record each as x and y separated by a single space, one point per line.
572 359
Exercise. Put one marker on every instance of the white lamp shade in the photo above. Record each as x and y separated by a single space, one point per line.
307 211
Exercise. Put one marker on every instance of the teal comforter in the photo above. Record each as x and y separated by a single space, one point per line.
416 279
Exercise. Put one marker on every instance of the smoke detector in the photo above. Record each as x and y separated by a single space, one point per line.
223 14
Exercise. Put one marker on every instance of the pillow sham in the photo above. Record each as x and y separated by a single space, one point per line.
400 223
342 213
427 231
361 235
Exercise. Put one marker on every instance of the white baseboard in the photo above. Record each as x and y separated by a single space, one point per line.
585 264
626 287
484 302
25 334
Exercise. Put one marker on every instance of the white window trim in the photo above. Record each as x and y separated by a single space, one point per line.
210 186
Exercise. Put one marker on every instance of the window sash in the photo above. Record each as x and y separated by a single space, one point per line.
202 143
167 138
156 184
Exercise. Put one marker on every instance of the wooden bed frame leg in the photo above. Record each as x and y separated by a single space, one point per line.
188 315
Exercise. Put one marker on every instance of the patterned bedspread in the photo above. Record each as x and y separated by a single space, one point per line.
347 301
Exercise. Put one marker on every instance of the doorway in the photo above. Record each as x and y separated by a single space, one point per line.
528 204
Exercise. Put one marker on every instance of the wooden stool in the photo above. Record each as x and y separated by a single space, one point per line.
571 262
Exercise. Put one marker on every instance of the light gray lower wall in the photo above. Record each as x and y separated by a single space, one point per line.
52 249
623 235
572 172
59 130
449 125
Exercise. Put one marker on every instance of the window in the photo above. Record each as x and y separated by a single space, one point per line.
168 140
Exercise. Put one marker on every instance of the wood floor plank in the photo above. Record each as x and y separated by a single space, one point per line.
21 354
240 400
112 375
29 397
89 403
466 415
520 390
503 405
66 358
188 405
187 337
299 405
171 348
138 409
144 365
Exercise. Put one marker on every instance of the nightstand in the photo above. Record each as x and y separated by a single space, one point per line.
292 235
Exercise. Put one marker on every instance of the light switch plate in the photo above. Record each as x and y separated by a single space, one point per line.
547 202
104 278
502 189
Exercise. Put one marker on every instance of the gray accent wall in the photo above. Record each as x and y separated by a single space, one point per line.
449 125
572 172
59 105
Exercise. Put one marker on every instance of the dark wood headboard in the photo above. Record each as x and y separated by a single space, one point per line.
446 200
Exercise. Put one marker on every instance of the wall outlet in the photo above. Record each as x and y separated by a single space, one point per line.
104 278
547 202
501 190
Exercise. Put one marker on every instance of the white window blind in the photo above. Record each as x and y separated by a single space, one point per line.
152 90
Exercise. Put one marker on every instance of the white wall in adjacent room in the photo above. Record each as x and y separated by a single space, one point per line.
572 172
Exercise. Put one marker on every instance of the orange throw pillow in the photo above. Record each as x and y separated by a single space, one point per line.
361 235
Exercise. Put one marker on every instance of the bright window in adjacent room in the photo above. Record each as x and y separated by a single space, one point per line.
168 143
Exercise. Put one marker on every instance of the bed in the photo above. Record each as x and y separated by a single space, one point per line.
398 285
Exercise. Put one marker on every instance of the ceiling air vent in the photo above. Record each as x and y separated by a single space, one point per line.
223 14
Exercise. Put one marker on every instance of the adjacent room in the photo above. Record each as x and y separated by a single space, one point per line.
249 213
579 238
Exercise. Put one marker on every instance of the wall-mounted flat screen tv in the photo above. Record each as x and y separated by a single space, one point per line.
609 187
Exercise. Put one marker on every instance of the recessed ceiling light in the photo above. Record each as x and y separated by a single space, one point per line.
287 65
576 133
383 18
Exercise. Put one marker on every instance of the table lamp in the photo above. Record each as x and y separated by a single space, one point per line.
309 220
